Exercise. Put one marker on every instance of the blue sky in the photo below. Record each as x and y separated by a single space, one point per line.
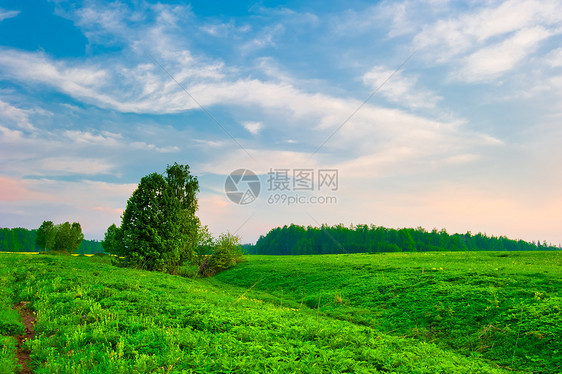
461 130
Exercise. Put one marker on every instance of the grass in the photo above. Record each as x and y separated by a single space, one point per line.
415 313
505 306
10 323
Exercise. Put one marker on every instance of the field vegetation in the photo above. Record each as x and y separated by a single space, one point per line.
480 312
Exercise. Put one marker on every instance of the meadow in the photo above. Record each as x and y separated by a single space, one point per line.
462 312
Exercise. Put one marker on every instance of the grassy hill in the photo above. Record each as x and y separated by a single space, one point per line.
402 313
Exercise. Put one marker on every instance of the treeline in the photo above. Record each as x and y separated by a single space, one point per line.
300 240
24 240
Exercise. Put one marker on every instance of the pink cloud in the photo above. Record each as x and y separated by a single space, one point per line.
16 189
108 210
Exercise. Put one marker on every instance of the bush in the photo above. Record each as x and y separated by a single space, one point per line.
226 253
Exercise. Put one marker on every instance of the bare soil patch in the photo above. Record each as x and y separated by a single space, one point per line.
28 318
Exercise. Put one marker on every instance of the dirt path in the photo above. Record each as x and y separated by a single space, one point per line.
29 322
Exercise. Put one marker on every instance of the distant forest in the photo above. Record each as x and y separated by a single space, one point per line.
23 240
300 240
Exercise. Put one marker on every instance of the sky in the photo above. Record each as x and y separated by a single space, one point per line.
432 113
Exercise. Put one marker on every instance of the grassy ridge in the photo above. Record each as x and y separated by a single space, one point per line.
505 306
95 318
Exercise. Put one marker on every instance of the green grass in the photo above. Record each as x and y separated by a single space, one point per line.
313 314
10 322
506 306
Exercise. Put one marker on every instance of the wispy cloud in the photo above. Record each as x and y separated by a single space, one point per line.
17 189
59 166
10 114
106 139
400 89
484 41
5 14
489 22
554 58
492 61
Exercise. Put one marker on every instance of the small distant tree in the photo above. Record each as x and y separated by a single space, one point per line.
63 238
46 236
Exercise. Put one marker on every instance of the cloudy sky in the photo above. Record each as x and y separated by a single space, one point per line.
434 113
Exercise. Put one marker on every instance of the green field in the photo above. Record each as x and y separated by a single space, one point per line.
468 312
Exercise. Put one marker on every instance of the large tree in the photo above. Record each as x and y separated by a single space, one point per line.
159 229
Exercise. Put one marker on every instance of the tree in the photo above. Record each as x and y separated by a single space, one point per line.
113 240
76 236
68 237
46 236
205 246
60 238
159 229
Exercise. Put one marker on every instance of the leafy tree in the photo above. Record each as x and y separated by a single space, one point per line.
68 237
46 236
159 229
60 238
113 240
205 246
226 253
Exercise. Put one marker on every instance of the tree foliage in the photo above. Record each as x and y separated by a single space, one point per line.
64 238
300 240
25 240
224 253
159 229
46 235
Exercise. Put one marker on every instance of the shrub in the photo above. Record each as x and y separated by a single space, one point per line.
226 253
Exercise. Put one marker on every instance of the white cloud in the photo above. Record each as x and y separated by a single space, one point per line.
69 166
399 89
5 14
496 59
554 58
86 137
456 34
265 38
253 127
107 139
152 147
17 116
263 160
398 18
222 30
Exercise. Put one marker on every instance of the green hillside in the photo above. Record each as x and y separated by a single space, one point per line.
400 313
504 306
